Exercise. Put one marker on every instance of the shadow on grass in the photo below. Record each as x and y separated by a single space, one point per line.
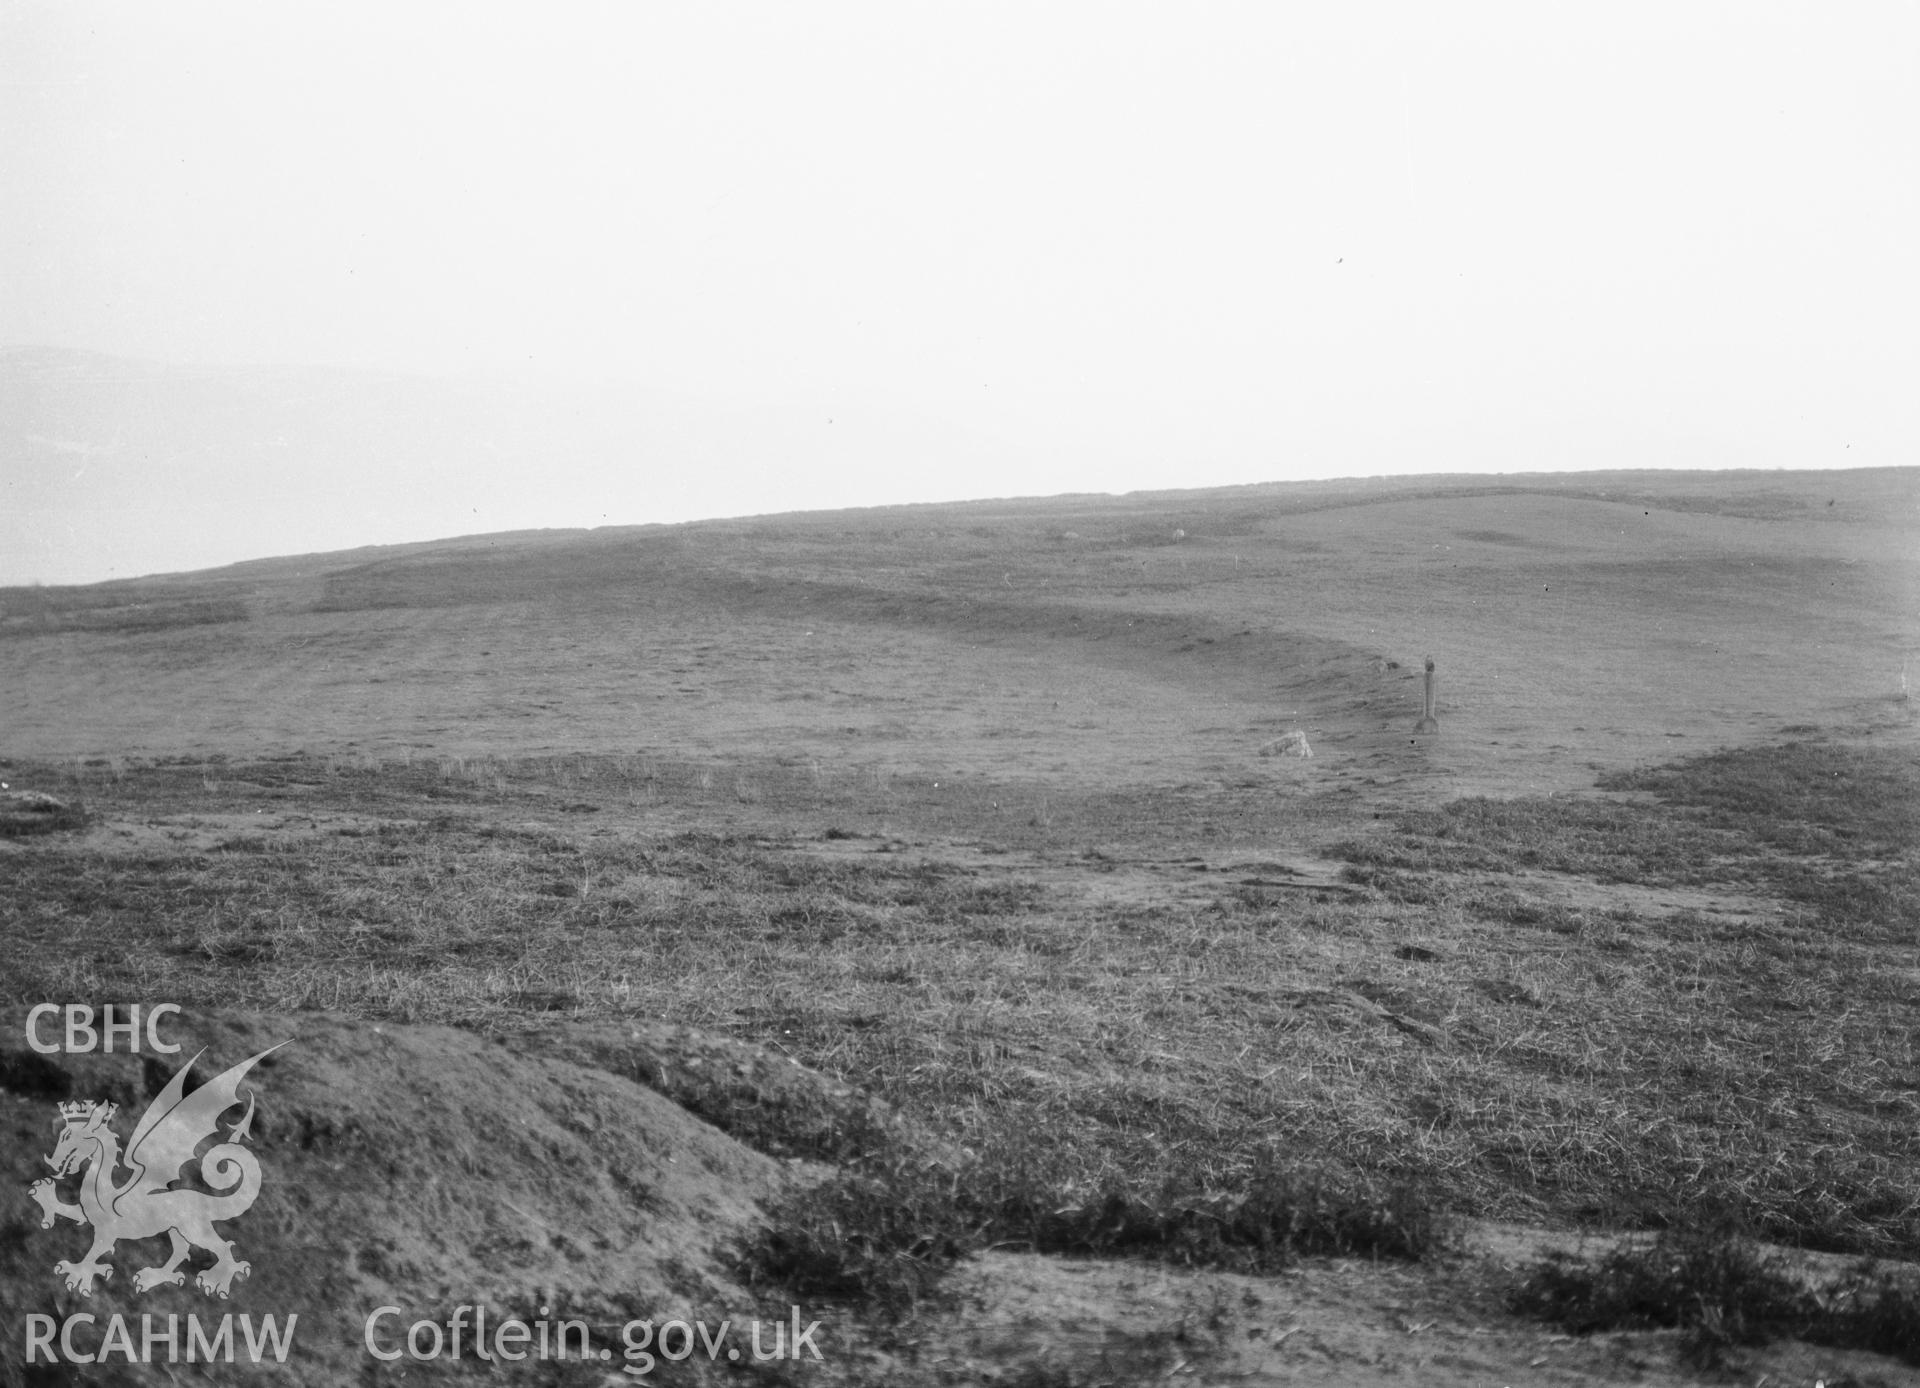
1827 826
1722 1291
884 1233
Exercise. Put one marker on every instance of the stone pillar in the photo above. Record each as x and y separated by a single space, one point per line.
1428 723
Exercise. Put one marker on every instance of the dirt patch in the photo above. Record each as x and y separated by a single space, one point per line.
1583 893
209 832
1107 881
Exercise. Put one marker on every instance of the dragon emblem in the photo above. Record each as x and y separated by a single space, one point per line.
146 1203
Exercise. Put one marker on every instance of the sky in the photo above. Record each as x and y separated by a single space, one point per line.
1086 247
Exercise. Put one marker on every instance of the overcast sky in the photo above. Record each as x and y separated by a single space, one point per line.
1118 245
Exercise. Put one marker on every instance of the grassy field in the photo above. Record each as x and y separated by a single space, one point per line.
1581 623
1519 1057
971 817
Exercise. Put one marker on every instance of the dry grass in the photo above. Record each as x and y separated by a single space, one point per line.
1511 1057
950 808
1827 826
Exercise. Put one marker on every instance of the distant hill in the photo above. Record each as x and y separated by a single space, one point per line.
117 468
1579 621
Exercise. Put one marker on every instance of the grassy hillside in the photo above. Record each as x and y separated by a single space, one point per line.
951 857
1601 619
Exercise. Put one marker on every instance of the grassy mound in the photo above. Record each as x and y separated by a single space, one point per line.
885 1232
418 1167
25 813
